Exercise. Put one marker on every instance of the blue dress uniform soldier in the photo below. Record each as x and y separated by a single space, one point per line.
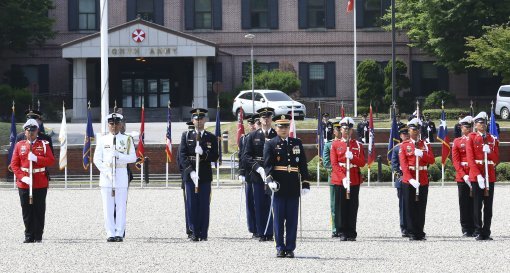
327 128
395 168
244 177
363 130
252 159
191 128
203 144
286 166
326 162
113 152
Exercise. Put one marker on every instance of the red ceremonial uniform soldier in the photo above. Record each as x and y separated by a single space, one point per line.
37 152
460 162
346 186
415 190
480 143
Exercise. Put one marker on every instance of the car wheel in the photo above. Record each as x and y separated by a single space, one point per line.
237 113
505 113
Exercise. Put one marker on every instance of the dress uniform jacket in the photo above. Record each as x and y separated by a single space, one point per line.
253 150
459 158
362 130
339 161
408 161
209 144
242 141
327 131
475 156
20 163
41 136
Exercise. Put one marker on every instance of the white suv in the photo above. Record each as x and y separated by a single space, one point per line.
503 102
276 99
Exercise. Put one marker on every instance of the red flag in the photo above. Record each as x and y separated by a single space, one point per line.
342 111
371 138
350 6
140 151
292 132
240 125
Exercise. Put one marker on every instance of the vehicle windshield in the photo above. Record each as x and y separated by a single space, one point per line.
277 96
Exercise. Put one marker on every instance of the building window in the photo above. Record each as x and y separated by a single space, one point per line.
87 15
316 14
259 13
316 82
145 9
427 78
370 12
203 14
318 79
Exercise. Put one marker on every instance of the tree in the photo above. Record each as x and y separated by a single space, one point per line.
370 84
491 51
439 27
25 23
286 81
402 84
433 101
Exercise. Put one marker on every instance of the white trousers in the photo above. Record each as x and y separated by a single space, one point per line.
114 226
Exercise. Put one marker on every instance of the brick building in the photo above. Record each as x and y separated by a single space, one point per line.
177 49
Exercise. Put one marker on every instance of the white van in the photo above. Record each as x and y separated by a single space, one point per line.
503 102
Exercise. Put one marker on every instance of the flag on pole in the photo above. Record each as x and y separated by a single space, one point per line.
240 126
342 110
442 136
62 137
371 140
292 132
218 131
394 138
168 146
320 136
89 136
493 128
12 136
350 6
140 151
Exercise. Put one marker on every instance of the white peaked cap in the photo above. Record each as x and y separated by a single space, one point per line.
481 115
466 119
415 122
30 123
347 120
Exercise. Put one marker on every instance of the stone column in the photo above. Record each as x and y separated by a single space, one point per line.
200 82
79 90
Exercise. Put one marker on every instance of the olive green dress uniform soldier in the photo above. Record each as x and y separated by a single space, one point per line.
198 182
252 159
326 162
286 166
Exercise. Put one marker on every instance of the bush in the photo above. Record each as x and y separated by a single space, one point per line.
370 84
402 83
386 173
286 81
433 100
312 170
503 171
451 113
449 170
22 99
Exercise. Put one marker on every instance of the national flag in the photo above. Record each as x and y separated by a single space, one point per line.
89 136
218 131
140 151
12 136
342 111
350 6
493 128
168 146
442 136
240 126
320 136
292 132
62 137
394 139
371 140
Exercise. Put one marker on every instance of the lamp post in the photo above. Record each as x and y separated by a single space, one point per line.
251 37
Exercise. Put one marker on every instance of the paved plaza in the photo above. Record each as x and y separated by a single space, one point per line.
75 240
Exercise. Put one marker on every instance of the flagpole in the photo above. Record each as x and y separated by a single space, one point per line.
369 176
319 131
90 176
141 175
65 176
13 140
355 64
442 147
166 174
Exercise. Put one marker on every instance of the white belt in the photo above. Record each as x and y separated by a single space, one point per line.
110 165
345 165
465 164
40 170
421 168
490 162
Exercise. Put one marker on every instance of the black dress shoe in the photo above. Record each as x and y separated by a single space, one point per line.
467 234
343 238
37 241
405 235
415 238
481 237
255 236
119 239
280 254
28 240
290 254
334 235
110 239
189 234
203 239
193 238
352 239
269 238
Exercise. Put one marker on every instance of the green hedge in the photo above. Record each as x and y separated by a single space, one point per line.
386 173
503 171
312 170
451 113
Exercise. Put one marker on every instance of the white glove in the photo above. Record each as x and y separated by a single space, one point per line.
109 175
273 186
32 157
345 182
414 183
304 192
418 152
26 180
242 178
466 178
486 149
262 173
348 155
115 154
198 150
481 181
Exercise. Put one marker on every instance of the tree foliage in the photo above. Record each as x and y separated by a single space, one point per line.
440 27
491 51
434 99
25 23
401 86
370 84
285 81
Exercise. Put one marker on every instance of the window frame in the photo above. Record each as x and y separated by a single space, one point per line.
197 17
263 24
88 14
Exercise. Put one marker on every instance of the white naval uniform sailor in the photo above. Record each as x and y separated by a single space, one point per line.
103 158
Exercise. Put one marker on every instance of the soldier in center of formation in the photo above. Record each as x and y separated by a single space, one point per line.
428 129
253 162
415 205
347 157
244 177
287 169
465 192
362 130
480 143
198 145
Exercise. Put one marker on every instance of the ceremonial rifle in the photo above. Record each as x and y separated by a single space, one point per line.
114 164
197 160
31 175
486 165
348 165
